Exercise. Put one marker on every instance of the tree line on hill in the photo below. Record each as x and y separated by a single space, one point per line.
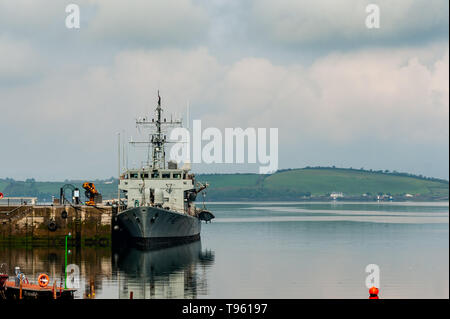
386 172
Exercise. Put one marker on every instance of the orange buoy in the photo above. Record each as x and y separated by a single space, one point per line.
43 280
373 292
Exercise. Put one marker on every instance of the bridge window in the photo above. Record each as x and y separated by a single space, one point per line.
144 175
177 175
166 175
155 175
134 175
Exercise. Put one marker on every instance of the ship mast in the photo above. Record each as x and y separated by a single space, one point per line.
158 140
157 137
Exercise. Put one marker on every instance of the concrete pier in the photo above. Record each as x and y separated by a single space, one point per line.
48 225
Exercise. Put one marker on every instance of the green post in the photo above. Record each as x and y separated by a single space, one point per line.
65 268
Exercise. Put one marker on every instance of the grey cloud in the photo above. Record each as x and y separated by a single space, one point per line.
341 24
120 23
149 23
283 31
19 62
382 98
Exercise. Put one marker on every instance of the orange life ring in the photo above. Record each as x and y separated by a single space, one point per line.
1 195
43 280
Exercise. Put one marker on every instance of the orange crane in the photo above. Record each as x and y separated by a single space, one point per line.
94 196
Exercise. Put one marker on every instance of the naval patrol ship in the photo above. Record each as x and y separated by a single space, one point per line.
159 207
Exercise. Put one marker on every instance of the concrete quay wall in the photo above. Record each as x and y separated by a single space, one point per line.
48 225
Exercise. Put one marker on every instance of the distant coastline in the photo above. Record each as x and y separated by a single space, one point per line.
304 184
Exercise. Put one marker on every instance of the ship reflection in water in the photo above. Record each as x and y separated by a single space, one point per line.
175 272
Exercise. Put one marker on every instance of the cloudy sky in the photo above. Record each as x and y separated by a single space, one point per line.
339 93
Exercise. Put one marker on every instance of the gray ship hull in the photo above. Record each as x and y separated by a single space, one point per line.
152 226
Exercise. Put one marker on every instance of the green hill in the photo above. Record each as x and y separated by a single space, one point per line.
352 182
318 183
293 184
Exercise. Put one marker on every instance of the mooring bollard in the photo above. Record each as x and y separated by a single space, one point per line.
131 295
373 293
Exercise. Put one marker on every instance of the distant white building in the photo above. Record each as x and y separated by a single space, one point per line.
409 195
335 195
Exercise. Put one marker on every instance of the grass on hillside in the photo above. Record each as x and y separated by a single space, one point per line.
352 182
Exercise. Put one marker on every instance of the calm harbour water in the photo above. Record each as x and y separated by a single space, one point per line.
273 250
